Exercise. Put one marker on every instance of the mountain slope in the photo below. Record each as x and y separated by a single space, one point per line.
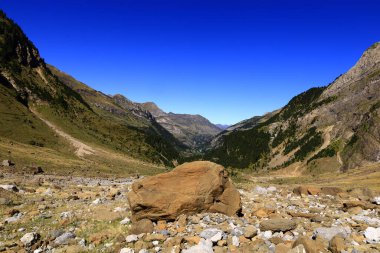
29 85
194 131
323 128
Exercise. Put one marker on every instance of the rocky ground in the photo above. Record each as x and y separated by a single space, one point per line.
44 213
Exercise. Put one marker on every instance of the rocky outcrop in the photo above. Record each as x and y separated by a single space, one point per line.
190 188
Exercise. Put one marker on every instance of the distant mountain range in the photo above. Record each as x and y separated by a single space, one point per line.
335 127
194 131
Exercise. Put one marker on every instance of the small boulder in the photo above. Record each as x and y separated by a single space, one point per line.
329 233
250 231
277 225
372 235
142 226
204 246
30 238
190 188
336 244
212 234
7 163
65 238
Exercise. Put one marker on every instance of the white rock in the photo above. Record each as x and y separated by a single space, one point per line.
125 221
271 189
267 235
29 238
143 251
329 233
212 234
204 246
119 209
66 215
127 250
131 238
376 200
97 201
372 235
39 250
235 241
9 187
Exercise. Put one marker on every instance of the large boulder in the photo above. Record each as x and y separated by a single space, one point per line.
190 188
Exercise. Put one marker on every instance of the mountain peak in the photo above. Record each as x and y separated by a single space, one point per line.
367 61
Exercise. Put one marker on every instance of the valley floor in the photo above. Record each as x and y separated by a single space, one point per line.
77 213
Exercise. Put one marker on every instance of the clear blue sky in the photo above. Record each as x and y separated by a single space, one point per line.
226 60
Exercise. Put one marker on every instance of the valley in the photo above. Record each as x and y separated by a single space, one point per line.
85 171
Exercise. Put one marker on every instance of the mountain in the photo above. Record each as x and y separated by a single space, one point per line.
322 129
194 131
38 99
222 126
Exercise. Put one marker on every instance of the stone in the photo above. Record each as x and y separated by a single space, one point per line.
372 235
307 190
154 237
336 244
125 221
131 238
7 163
30 238
282 248
190 188
333 191
204 246
142 226
311 246
250 231
212 234
278 224
192 239
329 233
64 238
298 249
127 250
9 187
376 200
35 170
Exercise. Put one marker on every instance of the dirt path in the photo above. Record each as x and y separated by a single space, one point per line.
81 148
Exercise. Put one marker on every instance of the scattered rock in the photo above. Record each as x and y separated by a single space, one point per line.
204 246
7 163
142 226
250 231
372 235
64 238
212 234
336 244
10 187
30 238
277 225
329 233
131 238
189 188
125 221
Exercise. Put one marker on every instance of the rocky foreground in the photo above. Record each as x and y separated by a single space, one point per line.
44 213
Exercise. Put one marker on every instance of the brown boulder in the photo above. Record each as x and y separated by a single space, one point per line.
331 190
142 226
278 225
307 190
189 188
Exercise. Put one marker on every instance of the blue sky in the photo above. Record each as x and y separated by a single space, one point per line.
226 60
